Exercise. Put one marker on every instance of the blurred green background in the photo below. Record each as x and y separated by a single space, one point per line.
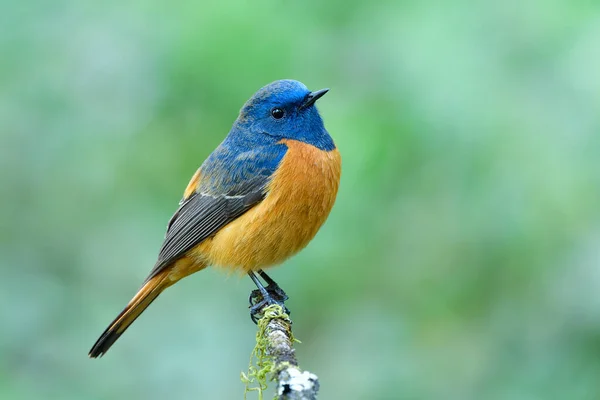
462 258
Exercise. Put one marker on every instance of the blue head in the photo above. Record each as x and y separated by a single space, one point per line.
283 109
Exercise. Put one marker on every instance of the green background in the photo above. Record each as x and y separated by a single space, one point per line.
461 260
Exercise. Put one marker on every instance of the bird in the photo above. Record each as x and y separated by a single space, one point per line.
258 199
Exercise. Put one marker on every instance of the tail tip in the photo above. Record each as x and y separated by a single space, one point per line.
97 351
106 340
95 354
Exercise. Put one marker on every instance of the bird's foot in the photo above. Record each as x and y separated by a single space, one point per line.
273 294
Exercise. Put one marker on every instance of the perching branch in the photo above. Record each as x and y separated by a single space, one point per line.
276 359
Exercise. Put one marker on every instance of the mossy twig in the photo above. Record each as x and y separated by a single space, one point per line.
275 358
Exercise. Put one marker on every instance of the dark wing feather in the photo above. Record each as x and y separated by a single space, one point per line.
230 184
198 218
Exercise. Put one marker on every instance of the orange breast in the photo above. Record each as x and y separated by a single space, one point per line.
300 197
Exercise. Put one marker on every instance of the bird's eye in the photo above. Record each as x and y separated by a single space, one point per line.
277 113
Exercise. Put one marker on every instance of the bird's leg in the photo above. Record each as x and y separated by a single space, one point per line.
273 287
262 296
258 295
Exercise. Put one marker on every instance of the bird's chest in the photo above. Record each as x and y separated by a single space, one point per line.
300 197
303 190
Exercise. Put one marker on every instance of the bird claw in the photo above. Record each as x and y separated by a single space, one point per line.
275 295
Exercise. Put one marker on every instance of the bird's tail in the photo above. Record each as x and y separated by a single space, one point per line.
146 295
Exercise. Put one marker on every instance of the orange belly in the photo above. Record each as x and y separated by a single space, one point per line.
300 197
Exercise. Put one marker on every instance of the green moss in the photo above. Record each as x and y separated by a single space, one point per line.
261 365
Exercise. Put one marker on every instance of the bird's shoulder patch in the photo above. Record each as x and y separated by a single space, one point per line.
234 170
192 186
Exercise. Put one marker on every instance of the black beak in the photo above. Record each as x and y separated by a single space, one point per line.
312 97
